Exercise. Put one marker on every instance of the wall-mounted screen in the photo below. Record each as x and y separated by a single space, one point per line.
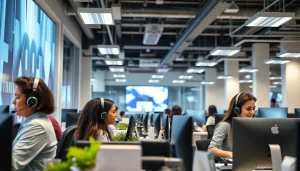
146 98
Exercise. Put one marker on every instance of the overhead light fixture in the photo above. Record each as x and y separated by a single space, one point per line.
119 76
248 76
276 83
157 76
178 81
245 81
163 69
224 77
269 19
206 63
251 70
109 49
185 77
275 78
195 70
250 86
276 61
93 79
112 61
225 51
153 81
233 8
207 82
291 55
96 15
121 80
116 69
273 86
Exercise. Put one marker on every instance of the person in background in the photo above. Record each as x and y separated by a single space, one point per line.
241 105
56 127
176 110
212 110
36 140
273 103
94 119
122 115
167 112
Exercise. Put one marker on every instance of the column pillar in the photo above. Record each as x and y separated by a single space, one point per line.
85 81
231 86
210 90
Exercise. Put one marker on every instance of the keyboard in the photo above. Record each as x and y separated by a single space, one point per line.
224 168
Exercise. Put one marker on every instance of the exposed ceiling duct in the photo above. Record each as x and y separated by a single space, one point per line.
152 34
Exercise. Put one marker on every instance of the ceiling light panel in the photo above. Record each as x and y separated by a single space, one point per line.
96 15
248 70
178 81
276 61
291 55
157 76
116 69
207 83
275 78
119 76
109 49
113 62
225 51
206 63
163 69
245 81
195 70
121 80
224 77
153 81
269 19
185 77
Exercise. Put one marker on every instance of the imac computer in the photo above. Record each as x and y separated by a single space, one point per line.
64 113
257 142
297 112
199 116
165 124
130 129
145 122
6 125
72 118
156 123
272 112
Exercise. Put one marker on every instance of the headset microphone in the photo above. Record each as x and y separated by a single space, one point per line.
14 111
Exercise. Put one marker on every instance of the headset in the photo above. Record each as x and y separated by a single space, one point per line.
237 107
103 114
32 99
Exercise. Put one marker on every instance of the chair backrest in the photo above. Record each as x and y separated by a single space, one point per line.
210 131
65 142
202 145
15 130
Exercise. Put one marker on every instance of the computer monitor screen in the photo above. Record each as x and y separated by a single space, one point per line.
4 109
297 112
6 125
146 98
130 129
221 111
64 113
252 136
156 123
165 124
198 116
145 122
272 112
181 138
218 118
72 119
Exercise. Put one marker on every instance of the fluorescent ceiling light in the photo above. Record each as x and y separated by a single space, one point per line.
96 15
250 86
157 76
207 82
109 49
119 76
276 83
93 79
121 80
276 61
273 86
245 81
178 81
116 69
233 8
195 70
206 63
185 77
251 70
163 69
292 55
248 76
225 51
111 61
224 77
153 81
269 19
275 78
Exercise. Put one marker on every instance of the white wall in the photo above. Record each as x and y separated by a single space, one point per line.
244 87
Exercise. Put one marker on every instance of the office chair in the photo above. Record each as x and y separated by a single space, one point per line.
202 145
15 130
65 142
210 131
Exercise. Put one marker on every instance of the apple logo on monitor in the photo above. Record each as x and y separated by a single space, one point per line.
274 129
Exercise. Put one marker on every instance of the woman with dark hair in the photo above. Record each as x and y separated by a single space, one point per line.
176 110
94 119
212 110
36 138
241 105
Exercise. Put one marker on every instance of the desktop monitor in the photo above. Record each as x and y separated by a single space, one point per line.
145 122
298 148
218 118
181 138
4 109
252 136
165 124
64 113
130 129
72 118
198 116
151 118
297 112
221 111
156 123
272 112
6 125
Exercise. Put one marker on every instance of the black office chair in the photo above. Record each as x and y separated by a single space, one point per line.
202 145
65 142
210 131
15 130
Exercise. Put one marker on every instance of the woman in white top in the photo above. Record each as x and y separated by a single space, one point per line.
94 119
212 110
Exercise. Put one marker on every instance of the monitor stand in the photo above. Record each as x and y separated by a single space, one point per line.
276 156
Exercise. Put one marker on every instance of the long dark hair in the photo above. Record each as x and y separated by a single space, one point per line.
90 122
212 110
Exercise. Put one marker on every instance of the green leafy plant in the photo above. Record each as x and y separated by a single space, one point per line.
122 126
121 137
83 158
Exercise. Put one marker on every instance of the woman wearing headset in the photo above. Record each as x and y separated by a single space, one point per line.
94 119
241 105
36 138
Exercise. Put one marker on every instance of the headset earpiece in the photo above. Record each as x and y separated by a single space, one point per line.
103 114
237 107
32 99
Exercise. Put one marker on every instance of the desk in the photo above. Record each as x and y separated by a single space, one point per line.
198 136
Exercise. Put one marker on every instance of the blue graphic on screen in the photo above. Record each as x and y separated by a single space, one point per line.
27 45
146 98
